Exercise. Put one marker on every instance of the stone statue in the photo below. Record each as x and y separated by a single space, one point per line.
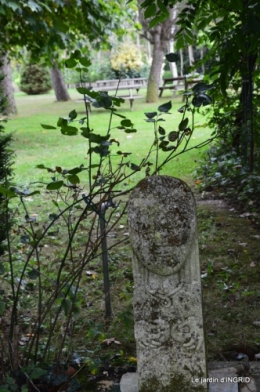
167 287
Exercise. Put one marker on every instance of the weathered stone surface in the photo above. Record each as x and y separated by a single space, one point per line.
167 294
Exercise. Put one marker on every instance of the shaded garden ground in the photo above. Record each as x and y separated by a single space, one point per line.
103 349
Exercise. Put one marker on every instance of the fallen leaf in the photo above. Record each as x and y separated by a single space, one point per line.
256 323
132 359
110 341
244 244
90 273
252 264
247 214
107 384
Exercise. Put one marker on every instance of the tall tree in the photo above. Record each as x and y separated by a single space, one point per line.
231 31
159 36
6 84
59 85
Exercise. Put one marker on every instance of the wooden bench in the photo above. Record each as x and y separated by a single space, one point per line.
181 81
130 98
115 85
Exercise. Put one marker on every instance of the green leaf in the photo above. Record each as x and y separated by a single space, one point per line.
156 20
201 87
180 43
33 274
37 373
55 203
87 91
7 192
201 100
2 309
161 130
53 186
130 130
76 54
103 101
126 123
46 126
66 305
76 170
183 124
150 11
73 179
70 63
172 57
73 114
165 107
69 130
85 61
62 122
94 138
151 114
163 8
85 132
135 167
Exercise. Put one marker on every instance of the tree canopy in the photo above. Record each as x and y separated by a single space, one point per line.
44 26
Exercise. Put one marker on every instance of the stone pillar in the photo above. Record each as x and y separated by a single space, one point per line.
167 287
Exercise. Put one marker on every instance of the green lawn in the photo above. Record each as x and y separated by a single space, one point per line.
34 145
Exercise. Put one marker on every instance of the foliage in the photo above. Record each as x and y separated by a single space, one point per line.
45 27
35 79
127 60
6 157
223 173
231 33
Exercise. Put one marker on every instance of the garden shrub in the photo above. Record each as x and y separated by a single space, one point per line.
35 79
127 62
225 173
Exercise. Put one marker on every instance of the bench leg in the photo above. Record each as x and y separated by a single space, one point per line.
131 100
160 94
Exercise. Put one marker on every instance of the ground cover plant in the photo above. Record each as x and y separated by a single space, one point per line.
49 274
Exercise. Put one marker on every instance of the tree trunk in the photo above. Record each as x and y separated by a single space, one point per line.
156 68
182 62
173 66
191 55
7 86
59 85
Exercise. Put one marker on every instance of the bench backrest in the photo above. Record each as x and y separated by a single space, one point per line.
123 82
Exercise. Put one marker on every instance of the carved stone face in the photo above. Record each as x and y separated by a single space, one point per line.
162 226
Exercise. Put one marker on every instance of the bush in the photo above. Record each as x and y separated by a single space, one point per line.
35 79
126 62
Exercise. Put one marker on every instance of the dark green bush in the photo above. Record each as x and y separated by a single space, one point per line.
35 79
225 173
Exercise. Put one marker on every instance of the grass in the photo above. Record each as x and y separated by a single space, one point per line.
35 145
